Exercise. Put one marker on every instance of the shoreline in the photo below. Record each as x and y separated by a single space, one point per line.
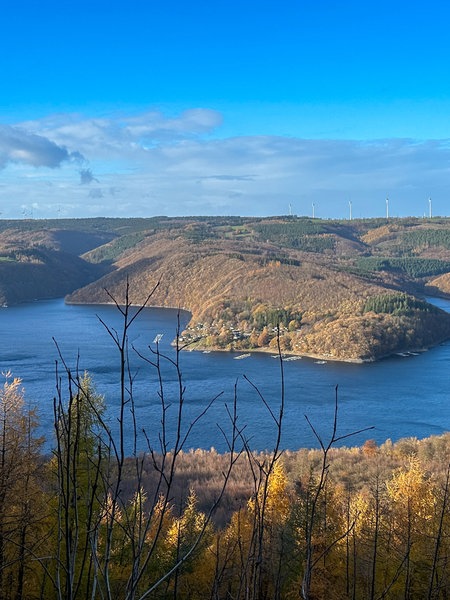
271 351
195 346
315 357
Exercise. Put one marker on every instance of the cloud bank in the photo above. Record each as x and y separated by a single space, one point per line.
150 163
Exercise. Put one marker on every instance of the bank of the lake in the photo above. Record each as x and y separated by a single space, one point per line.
384 325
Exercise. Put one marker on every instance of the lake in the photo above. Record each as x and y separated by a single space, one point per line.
398 396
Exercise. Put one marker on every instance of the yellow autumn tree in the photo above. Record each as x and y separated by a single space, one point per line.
23 507
253 550
139 540
186 552
275 495
412 499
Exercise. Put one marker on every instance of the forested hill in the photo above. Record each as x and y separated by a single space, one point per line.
343 290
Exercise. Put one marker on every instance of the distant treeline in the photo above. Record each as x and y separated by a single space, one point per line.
413 267
301 234
112 250
397 304
426 237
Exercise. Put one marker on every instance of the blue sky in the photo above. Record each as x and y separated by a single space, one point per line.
147 107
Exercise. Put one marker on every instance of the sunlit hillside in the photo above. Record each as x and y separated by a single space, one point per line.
344 290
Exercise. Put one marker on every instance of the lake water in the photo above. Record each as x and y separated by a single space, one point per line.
399 397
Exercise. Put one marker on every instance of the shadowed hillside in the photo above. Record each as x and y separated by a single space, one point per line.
44 264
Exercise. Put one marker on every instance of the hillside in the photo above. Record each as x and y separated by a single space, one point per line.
337 290
348 290
44 264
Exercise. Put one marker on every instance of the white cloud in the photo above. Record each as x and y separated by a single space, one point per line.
151 164
124 135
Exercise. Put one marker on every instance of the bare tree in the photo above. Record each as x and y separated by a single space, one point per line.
311 559
101 528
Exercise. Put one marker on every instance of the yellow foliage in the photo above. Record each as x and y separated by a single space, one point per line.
277 500
186 528
11 396
409 487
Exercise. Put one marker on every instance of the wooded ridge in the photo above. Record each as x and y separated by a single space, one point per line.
340 290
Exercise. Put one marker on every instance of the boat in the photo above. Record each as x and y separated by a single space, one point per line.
158 338
321 362
241 356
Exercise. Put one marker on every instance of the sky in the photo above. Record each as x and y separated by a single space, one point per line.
168 107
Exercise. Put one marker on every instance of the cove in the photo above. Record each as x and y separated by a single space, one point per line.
398 396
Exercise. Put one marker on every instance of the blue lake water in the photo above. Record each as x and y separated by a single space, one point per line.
399 397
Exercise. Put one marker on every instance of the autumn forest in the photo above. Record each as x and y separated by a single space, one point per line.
87 521
91 520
